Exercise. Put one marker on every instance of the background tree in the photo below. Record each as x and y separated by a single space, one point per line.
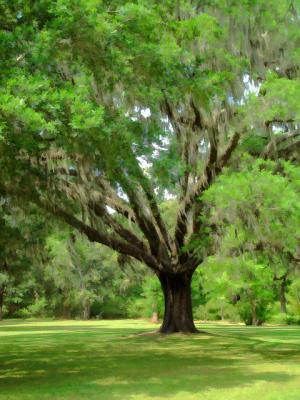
257 229
293 297
86 279
243 283
22 240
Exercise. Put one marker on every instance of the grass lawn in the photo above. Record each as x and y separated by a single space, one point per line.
75 360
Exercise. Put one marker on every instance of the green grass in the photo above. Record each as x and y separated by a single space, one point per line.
74 360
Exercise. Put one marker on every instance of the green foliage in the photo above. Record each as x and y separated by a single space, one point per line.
22 241
241 282
253 218
87 279
37 309
293 296
217 308
150 300
256 238
280 101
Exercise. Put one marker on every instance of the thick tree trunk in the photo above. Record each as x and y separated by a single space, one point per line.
178 315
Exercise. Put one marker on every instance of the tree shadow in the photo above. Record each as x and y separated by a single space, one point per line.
118 364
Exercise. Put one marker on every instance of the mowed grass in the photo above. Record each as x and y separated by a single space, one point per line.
74 360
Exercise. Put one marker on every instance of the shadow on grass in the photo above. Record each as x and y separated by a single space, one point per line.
85 361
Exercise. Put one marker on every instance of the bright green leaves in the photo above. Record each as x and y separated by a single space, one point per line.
84 116
16 107
23 106
257 217
257 208
294 301
34 111
41 50
203 27
242 282
281 99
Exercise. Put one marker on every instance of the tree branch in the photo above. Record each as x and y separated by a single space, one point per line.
125 233
103 237
213 167
273 148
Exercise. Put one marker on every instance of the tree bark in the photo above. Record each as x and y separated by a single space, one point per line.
178 315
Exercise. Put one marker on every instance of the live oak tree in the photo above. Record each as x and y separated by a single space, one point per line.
109 107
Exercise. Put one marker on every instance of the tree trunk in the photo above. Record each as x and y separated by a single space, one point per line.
154 317
66 312
253 316
178 315
86 310
254 319
282 297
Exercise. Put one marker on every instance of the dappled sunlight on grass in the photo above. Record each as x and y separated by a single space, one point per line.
106 360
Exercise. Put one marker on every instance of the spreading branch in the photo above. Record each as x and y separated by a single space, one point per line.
212 168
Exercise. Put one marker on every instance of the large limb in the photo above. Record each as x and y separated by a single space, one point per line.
122 231
96 206
139 208
143 216
114 201
109 240
188 129
103 190
143 202
131 247
158 221
212 168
